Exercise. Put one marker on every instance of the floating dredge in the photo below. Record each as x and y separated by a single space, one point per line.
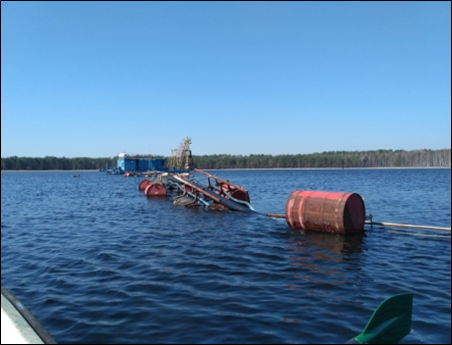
189 190
307 210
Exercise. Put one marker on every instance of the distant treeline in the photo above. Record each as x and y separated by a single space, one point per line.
333 159
56 163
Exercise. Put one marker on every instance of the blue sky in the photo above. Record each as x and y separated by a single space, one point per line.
92 79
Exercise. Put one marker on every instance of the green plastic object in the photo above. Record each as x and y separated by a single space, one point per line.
389 323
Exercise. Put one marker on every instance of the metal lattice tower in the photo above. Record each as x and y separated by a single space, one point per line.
181 159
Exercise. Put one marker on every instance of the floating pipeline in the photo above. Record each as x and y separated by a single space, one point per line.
307 210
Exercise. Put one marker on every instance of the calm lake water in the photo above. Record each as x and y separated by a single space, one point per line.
97 262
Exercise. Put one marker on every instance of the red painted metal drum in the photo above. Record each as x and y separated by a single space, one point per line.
143 184
326 211
155 190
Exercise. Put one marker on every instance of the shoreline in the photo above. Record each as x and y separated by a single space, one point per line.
236 169
43 171
373 168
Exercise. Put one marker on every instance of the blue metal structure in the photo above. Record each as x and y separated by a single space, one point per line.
139 165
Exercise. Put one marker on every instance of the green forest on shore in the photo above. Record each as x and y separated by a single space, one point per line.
332 159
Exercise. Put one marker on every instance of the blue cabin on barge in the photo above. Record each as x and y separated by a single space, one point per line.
134 164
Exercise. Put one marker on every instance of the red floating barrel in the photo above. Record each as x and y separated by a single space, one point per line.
155 189
326 211
143 184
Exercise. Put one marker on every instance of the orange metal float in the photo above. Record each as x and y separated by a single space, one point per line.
143 184
155 190
326 211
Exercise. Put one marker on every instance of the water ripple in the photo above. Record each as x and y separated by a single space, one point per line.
97 262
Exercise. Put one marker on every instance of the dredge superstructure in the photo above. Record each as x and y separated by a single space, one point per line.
197 188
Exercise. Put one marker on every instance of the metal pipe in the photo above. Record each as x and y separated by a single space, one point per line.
198 198
234 199
195 187
274 215
427 227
